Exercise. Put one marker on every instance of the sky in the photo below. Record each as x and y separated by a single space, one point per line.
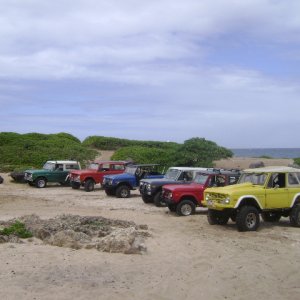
166 70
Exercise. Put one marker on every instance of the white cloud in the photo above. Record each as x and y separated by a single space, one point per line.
69 39
110 67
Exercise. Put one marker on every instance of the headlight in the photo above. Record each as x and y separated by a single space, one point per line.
168 195
28 176
148 187
75 177
207 197
226 200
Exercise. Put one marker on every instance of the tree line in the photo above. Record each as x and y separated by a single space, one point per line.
31 150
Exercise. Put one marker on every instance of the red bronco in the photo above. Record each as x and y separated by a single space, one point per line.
184 198
94 173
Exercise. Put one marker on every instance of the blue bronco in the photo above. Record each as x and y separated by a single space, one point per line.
120 185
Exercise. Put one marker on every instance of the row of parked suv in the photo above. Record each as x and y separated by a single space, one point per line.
271 192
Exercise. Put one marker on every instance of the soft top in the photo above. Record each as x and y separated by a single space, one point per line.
272 169
189 168
142 165
110 162
62 161
220 171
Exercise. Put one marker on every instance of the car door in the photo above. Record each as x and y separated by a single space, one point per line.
293 185
59 174
277 192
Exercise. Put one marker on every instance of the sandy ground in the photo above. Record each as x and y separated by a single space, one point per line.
186 257
244 162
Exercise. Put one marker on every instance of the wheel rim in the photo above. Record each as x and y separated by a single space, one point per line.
124 193
251 220
41 183
186 209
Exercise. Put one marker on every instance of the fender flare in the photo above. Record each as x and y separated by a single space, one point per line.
248 196
294 199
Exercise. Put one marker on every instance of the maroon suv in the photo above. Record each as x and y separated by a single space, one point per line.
184 198
94 173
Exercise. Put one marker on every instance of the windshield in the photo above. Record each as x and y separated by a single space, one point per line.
201 178
172 174
254 178
130 170
93 166
49 166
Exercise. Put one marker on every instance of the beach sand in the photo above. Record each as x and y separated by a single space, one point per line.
245 162
186 258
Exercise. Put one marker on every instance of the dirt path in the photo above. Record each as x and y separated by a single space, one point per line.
186 258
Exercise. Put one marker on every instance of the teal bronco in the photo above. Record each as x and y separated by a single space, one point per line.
53 171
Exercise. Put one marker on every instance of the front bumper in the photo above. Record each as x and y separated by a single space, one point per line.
107 186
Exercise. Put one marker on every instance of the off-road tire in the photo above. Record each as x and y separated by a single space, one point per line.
75 185
295 216
271 216
89 185
123 191
185 208
40 182
147 199
247 219
215 217
158 201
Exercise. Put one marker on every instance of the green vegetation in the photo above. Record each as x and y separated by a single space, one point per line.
297 161
18 229
110 143
31 150
195 152
144 155
199 152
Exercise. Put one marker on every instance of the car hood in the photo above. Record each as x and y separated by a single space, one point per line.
122 176
184 187
246 187
37 171
83 172
156 180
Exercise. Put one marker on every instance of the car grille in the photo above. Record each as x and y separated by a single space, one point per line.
143 187
216 197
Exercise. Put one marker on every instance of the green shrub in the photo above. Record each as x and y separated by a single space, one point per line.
195 152
143 155
31 150
17 229
18 151
297 161
199 152
110 143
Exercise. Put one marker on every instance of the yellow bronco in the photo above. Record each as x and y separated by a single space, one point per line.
272 192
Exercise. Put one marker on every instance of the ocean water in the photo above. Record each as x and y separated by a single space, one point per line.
270 152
